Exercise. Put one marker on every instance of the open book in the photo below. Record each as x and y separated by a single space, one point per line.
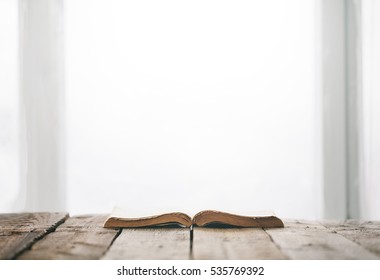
119 219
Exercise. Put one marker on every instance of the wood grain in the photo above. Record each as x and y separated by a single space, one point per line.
311 240
80 237
151 243
233 243
364 233
18 232
54 236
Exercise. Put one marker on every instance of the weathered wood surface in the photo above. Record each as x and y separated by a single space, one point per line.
55 236
151 243
311 240
364 233
234 243
80 237
19 231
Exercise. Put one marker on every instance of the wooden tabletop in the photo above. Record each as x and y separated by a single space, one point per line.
58 236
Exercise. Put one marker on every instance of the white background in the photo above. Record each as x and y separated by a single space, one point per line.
9 106
275 269
191 106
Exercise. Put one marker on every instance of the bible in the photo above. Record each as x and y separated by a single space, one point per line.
121 219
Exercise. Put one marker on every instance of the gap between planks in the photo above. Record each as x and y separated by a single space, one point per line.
151 243
312 240
234 244
364 233
83 237
18 232
80 237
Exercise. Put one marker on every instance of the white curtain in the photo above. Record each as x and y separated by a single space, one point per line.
9 106
370 193
167 104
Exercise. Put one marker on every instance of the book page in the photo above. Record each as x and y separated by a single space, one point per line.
147 212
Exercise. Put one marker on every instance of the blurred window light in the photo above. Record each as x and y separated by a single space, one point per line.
370 133
200 104
9 106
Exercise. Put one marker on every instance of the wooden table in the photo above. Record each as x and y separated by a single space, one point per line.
58 236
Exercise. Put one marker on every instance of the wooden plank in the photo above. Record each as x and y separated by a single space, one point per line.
80 237
364 233
234 243
18 232
311 240
151 243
